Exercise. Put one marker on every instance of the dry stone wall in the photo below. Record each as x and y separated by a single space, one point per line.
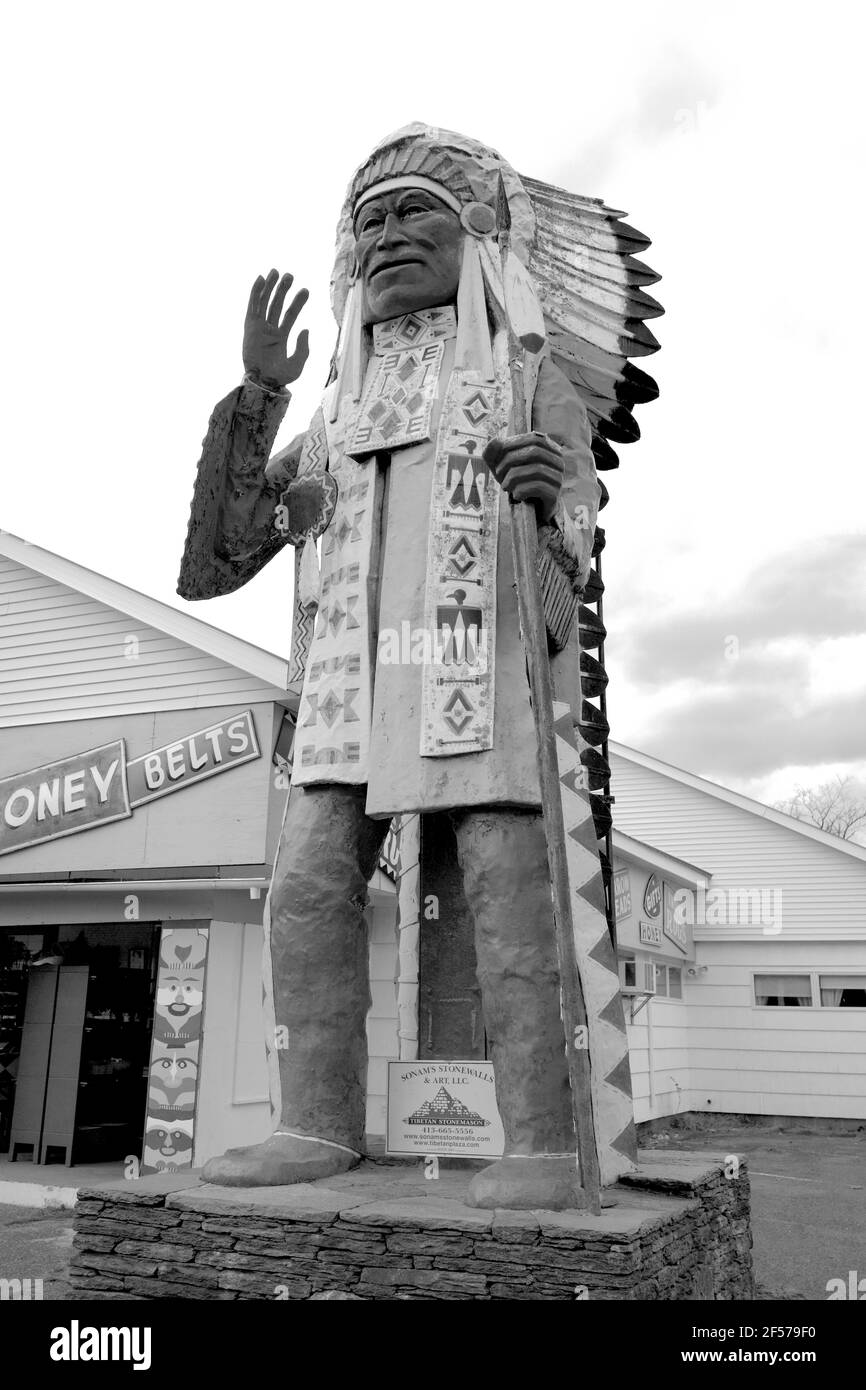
679 1230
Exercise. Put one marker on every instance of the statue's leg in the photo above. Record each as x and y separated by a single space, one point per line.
503 857
319 955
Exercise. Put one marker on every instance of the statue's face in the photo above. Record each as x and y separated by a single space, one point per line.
408 246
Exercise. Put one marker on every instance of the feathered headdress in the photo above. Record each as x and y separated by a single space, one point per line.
574 279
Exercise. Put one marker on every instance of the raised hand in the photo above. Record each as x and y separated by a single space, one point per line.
530 467
266 357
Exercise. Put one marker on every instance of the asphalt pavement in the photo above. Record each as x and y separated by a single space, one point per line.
808 1203
36 1244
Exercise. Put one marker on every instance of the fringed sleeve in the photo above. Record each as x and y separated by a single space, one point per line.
232 531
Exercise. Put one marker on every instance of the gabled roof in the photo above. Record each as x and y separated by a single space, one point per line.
264 666
678 870
745 803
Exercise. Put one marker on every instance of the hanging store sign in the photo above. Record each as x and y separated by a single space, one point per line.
621 895
89 789
443 1109
674 931
652 898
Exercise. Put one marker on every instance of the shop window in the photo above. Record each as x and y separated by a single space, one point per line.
784 991
87 1084
18 953
667 980
843 991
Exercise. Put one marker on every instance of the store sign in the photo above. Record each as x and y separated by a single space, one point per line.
444 1109
191 759
62 797
652 898
674 931
621 895
651 933
93 788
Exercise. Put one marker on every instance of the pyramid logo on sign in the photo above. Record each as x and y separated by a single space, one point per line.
445 1109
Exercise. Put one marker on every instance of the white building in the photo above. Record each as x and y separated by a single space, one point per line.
771 1015
142 788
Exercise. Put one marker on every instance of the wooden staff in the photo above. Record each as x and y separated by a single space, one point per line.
524 533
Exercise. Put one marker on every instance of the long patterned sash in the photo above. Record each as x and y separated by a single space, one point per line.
334 721
460 601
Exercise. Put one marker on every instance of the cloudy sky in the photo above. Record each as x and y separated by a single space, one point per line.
158 157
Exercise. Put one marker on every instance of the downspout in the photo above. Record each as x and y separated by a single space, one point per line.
650 1055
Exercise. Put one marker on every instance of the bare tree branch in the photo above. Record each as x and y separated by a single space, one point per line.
837 806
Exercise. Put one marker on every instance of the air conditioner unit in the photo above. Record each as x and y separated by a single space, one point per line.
642 972
628 975
639 993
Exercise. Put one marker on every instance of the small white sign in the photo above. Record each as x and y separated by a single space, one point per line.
651 933
443 1108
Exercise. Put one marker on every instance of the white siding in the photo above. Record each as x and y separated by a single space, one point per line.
823 890
775 1061
715 1051
660 1033
63 656
233 1106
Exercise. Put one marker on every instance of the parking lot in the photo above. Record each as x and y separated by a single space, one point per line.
808 1202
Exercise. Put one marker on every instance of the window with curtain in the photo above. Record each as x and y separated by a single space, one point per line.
843 991
785 991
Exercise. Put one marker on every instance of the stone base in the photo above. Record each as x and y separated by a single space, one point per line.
677 1228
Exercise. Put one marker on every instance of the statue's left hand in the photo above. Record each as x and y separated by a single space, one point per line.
530 467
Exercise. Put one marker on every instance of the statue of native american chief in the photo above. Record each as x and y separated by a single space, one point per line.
407 473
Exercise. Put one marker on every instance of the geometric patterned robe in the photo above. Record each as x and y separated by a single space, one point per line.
232 535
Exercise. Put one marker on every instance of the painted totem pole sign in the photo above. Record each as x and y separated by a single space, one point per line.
175 1050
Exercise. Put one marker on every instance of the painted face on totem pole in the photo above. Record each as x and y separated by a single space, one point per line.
408 246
